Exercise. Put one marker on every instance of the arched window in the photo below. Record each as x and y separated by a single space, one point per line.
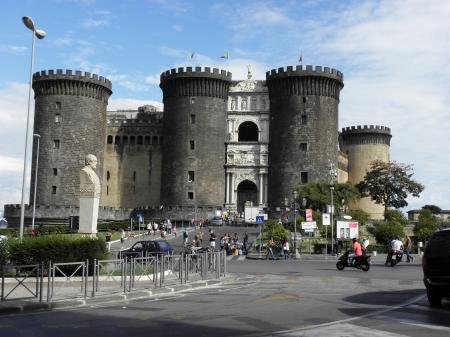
117 140
248 132
109 140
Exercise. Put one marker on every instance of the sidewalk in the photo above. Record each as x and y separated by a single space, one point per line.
9 307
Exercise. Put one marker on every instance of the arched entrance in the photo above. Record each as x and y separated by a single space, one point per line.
248 132
246 191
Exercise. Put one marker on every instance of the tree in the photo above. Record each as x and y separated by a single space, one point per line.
426 225
361 216
276 231
389 184
393 215
317 195
433 208
386 231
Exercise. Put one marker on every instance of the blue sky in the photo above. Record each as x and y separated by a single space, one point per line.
394 55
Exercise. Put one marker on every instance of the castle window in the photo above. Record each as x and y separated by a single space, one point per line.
147 140
304 177
191 176
304 120
192 100
58 105
108 175
53 189
125 140
55 171
192 118
304 146
160 140
132 140
56 143
117 140
304 99
248 132
57 118
155 140
134 175
190 195
107 190
253 103
109 140
140 140
192 144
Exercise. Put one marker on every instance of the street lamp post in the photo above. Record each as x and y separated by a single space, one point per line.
297 255
40 34
38 137
333 174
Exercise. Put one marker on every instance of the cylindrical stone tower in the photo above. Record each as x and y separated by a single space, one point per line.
70 117
363 145
303 127
194 130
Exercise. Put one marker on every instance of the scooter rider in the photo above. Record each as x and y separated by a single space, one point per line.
357 251
395 245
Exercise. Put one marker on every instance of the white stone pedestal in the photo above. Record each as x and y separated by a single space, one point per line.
88 215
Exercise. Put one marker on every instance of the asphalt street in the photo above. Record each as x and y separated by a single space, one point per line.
269 298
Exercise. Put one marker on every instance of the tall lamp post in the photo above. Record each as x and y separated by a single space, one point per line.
40 34
333 175
297 255
38 137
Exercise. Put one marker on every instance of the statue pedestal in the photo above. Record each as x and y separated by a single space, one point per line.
88 215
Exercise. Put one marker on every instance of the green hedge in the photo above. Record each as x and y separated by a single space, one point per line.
41 230
56 248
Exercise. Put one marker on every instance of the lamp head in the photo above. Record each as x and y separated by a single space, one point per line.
36 135
28 22
40 34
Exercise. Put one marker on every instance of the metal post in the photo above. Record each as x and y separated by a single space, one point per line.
35 179
331 218
41 284
94 276
85 277
125 267
3 281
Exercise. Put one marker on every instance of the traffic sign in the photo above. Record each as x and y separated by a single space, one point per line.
309 230
326 219
309 225
260 219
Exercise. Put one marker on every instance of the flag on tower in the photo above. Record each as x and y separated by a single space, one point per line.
194 54
224 56
301 58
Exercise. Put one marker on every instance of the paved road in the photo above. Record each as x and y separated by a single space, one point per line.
270 298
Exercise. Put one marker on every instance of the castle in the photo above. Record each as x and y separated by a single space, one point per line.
219 144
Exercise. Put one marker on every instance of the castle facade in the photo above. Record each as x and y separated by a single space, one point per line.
218 145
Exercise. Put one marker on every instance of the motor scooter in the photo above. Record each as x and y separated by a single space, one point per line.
359 262
395 256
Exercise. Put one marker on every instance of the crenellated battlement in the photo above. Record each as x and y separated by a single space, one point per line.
367 129
60 82
69 74
366 134
308 70
196 72
309 81
186 82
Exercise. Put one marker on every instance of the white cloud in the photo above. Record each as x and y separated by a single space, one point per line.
93 23
11 49
11 164
152 79
177 28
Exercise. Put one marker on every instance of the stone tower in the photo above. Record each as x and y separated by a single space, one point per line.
70 117
303 127
364 144
194 131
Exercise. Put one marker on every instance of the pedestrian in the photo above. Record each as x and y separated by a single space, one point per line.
212 241
286 249
174 230
245 243
122 236
108 236
185 237
270 247
407 247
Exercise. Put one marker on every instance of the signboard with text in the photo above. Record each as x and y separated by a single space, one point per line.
309 225
309 214
326 219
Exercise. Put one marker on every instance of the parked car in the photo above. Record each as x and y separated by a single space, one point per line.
216 221
436 267
146 248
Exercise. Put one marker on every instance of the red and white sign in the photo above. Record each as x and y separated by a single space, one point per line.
347 229
309 214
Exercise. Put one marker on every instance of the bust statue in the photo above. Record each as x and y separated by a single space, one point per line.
89 181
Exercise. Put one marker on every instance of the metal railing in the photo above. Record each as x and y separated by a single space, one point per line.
81 279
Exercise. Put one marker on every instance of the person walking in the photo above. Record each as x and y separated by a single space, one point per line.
122 236
185 237
407 248
245 242
270 247
286 249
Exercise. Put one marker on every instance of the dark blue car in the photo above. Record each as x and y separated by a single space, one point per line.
147 248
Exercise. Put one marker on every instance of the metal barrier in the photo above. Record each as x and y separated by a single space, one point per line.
26 282
68 280
69 274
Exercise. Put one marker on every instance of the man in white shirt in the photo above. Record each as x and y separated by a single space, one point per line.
395 245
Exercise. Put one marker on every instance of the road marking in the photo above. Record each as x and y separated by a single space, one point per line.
411 322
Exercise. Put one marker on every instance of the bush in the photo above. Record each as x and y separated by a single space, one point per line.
360 216
379 248
426 225
56 248
276 231
385 232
